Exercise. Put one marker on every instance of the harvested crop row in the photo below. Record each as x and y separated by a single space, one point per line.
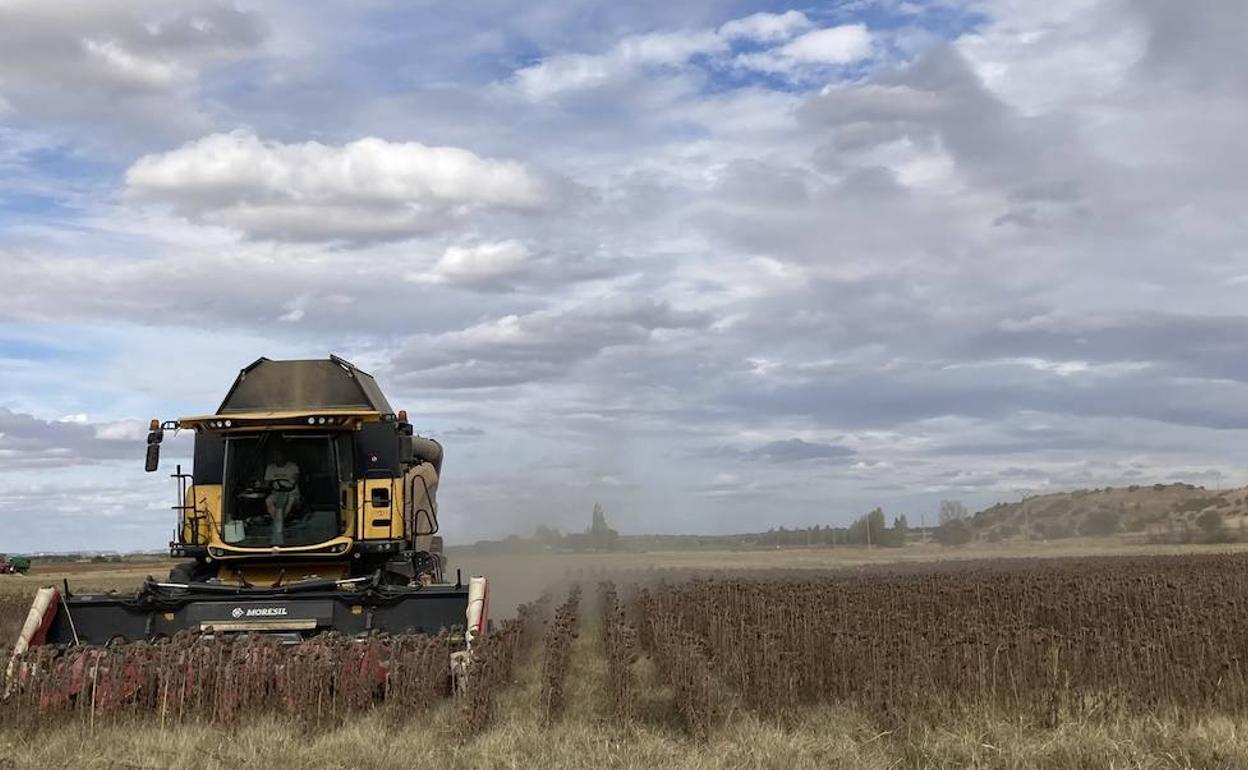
679 658
621 648
494 659
558 651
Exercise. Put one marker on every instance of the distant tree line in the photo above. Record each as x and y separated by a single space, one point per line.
869 529
1210 526
954 524
599 537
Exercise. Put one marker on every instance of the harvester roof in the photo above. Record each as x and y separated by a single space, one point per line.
270 390
303 386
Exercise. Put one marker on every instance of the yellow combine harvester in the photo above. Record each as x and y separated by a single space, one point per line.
311 506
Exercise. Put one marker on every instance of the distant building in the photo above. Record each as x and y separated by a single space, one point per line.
599 537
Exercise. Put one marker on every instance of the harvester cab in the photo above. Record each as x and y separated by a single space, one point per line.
310 506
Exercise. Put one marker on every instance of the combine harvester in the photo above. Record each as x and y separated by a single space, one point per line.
310 507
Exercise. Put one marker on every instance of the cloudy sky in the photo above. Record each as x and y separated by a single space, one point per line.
719 265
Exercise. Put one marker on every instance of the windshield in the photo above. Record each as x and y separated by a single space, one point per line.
281 490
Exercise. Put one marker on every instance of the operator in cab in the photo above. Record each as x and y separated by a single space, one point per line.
282 478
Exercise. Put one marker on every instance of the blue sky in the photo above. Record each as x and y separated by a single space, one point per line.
719 266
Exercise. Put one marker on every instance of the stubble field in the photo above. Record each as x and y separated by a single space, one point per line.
1093 661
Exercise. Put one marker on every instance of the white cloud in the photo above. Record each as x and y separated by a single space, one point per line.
133 431
478 264
369 189
561 73
110 58
835 45
516 349
821 47
564 73
30 442
1039 55
119 69
766 27
570 72
666 47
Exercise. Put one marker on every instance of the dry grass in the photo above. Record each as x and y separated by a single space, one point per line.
589 739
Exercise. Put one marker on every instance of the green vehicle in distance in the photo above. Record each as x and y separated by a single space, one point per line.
16 565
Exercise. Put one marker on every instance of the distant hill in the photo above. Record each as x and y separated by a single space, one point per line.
1158 513
1149 513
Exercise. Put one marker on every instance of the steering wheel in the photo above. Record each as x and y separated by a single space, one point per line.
262 489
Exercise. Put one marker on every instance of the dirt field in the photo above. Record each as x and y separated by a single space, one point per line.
519 578
516 578
824 731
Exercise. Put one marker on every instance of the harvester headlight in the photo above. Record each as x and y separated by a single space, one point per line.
311 421
321 421
228 423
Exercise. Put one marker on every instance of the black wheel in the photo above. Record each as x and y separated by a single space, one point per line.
391 578
189 572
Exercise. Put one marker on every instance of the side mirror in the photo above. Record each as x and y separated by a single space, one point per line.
153 458
153 450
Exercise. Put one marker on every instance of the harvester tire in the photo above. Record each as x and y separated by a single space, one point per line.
188 572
